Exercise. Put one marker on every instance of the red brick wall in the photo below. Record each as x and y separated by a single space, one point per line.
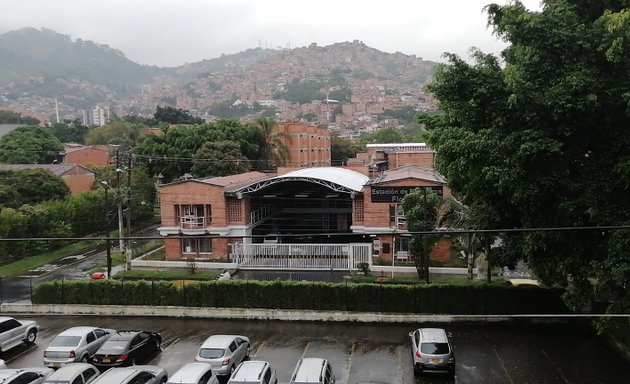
88 157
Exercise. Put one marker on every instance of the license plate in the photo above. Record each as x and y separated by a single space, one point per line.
106 360
436 361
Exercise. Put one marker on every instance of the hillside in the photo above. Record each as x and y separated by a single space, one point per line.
309 83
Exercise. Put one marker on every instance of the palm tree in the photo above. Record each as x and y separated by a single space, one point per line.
273 148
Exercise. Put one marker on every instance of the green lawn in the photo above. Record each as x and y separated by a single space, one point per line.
166 275
413 279
21 267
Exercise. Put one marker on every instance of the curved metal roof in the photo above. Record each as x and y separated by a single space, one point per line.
337 179
342 176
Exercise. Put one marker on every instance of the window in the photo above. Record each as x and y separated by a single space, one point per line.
90 338
142 378
100 333
358 211
196 245
233 346
25 378
9 325
267 378
193 215
206 378
78 380
89 373
434 348
234 211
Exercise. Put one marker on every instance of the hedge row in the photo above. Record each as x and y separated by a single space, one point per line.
438 299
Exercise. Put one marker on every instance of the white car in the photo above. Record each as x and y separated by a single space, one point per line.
137 374
223 352
77 373
15 332
194 373
75 344
254 372
24 375
432 351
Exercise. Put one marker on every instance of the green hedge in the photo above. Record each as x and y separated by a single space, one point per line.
440 299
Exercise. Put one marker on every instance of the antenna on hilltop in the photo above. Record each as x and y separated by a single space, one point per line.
57 110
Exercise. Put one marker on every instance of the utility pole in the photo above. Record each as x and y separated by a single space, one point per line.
128 251
108 242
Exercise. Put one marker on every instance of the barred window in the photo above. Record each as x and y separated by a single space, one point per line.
358 211
234 211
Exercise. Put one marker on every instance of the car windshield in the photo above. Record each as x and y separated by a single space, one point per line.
66 341
113 346
434 348
211 353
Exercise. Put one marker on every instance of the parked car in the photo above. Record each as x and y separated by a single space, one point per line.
254 372
75 344
3 364
15 332
24 375
224 352
137 374
432 351
77 373
194 373
313 370
125 348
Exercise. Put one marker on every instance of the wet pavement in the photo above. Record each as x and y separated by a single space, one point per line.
376 353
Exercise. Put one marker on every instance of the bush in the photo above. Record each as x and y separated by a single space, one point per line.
277 294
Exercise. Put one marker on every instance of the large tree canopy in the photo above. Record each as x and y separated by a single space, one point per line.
541 139
172 153
29 145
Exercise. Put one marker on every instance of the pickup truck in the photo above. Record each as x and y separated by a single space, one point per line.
15 332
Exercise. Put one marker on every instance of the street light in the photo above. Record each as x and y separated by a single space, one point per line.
107 240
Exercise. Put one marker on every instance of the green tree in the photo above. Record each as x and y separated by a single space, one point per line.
422 211
220 158
30 186
384 136
541 140
10 117
29 145
271 144
341 149
70 131
127 135
172 115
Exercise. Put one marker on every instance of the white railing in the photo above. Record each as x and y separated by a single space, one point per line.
193 222
301 256
260 213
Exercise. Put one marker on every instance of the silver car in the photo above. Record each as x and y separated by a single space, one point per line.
194 373
15 332
77 373
254 372
75 344
432 351
137 374
224 352
24 375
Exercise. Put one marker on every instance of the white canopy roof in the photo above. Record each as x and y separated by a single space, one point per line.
345 177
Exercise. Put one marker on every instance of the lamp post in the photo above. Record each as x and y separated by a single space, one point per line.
107 240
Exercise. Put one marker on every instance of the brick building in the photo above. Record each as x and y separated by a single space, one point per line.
308 145
90 155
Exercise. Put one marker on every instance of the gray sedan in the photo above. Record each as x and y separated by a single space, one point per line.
24 375
75 344
145 374
223 352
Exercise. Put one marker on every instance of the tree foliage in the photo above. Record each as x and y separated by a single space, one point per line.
220 158
541 139
10 117
118 132
271 145
171 153
30 186
70 131
29 145
172 115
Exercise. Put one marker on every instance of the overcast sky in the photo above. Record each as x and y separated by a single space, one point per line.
174 32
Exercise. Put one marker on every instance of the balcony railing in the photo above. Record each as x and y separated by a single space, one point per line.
193 222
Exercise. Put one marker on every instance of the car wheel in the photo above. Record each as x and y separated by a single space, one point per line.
31 336
158 344
232 369
417 370
84 359
163 380
133 361
247 353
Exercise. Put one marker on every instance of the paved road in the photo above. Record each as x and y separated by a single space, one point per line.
373 353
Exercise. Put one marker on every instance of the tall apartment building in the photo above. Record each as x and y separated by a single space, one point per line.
98 116
308 145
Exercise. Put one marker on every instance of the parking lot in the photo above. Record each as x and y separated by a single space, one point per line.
375 353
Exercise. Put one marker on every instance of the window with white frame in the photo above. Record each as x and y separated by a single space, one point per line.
196 246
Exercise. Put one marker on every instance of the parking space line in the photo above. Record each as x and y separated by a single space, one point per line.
257 349
21 354
400 364
306 349
169 343
553 364
494 348
347 378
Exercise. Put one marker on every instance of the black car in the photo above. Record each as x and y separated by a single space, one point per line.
125 348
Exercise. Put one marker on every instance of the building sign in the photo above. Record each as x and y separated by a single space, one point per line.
396 194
